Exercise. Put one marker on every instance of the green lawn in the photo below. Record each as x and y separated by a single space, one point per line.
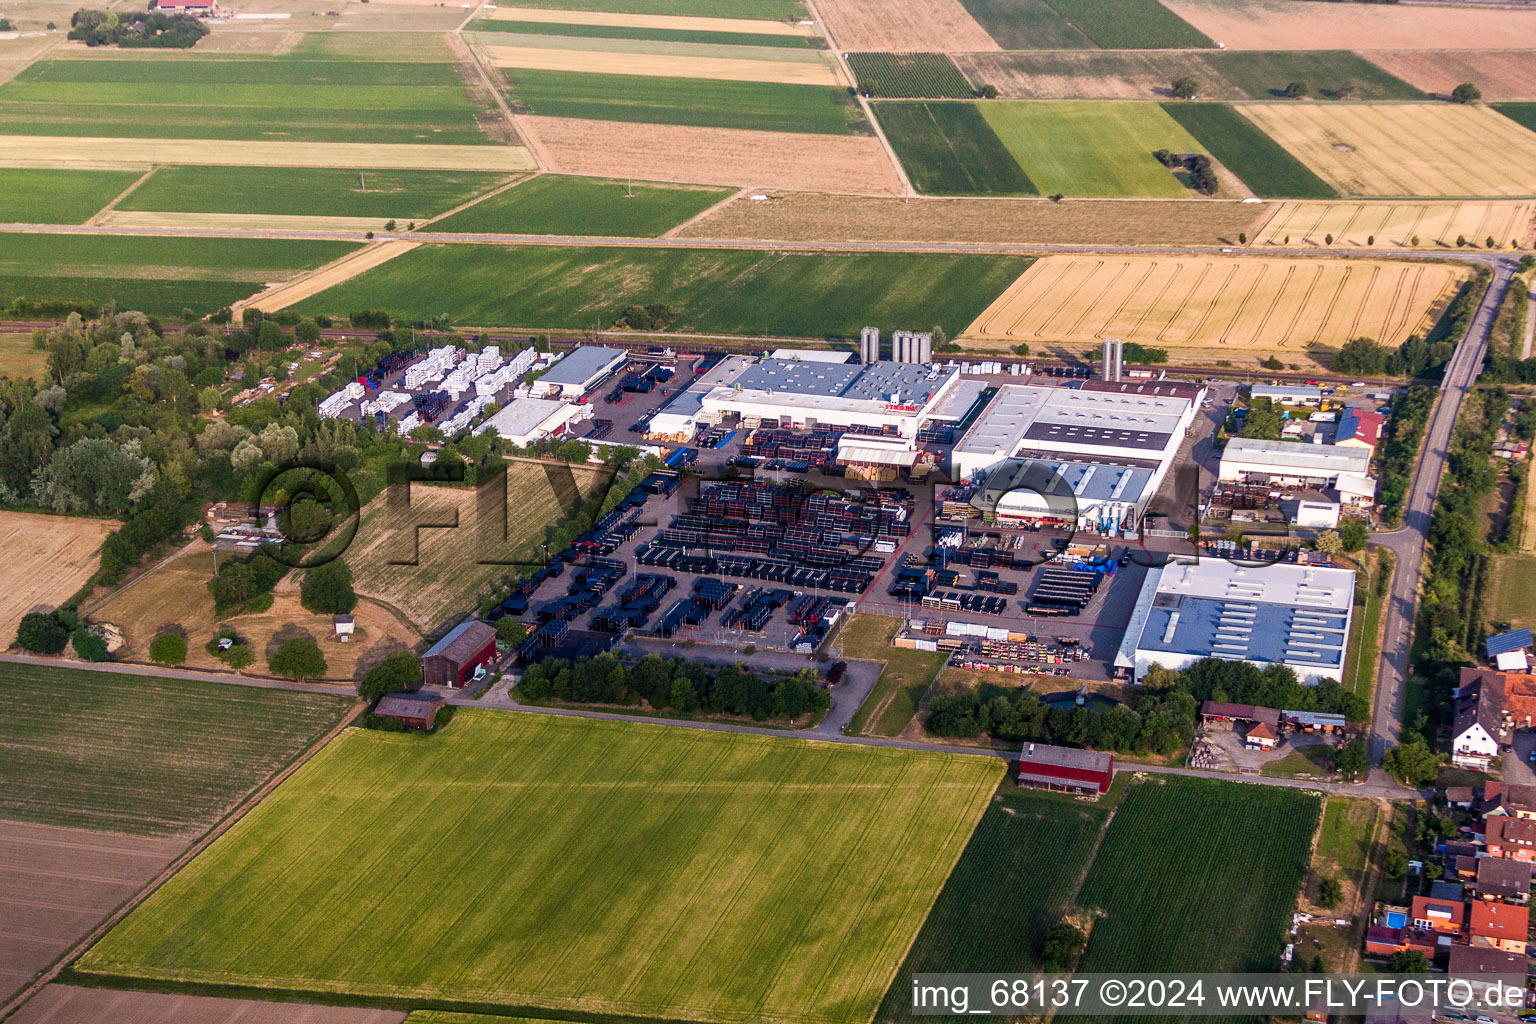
1512 598
1261 162
698 102
583 866
554 204
1027 25
771 10
1363 654
907 675
139 754
1307 759
321 192
1346 833
1198 875
665 35
57 196
156 275
1131 24
950 149
713 291
1092 149
290 98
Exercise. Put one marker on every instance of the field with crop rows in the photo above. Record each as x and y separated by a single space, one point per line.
715 291
903 75
1261 162
1131 24
1027 25
1401 224
949 149
1092 149
58 196
333 192
142 755
156 275
674 873
1032 847
514 20
554 204
661 58
1222 902
768 10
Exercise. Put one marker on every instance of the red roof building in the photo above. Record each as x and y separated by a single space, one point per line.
1512 838
1500 926
1383 941
1447 917
1066 770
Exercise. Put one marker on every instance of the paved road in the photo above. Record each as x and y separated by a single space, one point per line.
1407 543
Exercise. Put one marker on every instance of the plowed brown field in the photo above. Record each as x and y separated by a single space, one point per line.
903 25
1500 74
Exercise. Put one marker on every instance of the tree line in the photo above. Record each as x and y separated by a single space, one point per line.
134 29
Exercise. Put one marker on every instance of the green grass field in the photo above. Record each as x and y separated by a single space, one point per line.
771 10
906 677
1512 599
554 204
1198 875
904 75
1261 162
949 149
1027 25
661 35
320 192
1523 113
156 275
574 865
1346 833
57 196
1131 24
142 755
1092 149
285 99
697 102
724 291
1029 846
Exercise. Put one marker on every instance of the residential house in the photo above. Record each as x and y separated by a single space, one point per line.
1359 428
1479 730
1499 926
1512 799
1504 879
1462 866
1513 838
1476 960
1260 737
1452 892
1442 916
1381 940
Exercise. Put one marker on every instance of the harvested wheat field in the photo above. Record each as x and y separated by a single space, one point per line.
1262 304
1288 25
48 558
817 70
942 25
808 217
672 22
1500 74
276 223
287 293
57 883
56 151
1405 149
69 1004
714 156
1400 225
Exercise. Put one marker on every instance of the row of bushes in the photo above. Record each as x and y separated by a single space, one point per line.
1399 451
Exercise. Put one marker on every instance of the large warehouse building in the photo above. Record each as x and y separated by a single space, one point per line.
579 372
1294 464
1296 615
526 420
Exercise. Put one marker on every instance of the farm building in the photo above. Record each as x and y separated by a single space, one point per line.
1507 651
524 421
345 627
452 661
412 710
1295 615
579 372
1346 470
1066 770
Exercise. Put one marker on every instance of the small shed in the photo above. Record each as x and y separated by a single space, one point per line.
412 710
345 626
1260 737
453 659
1508 650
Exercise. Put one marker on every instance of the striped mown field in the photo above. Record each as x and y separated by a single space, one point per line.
575 865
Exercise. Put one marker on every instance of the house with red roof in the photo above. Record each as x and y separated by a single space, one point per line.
1500 926
1359 428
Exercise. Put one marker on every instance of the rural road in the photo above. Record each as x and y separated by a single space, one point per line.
1407 542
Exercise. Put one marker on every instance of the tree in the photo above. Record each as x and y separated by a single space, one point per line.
89 644
41 633
1353 759
1242 238
1354 533
1412 763
1408 961
399 672
510 632
96 476
168 649
1328 543
1395 863
1184 87
1063 944
1466 92
1329 892
987 92
327 589
1297 90
239 656
1022 348
298 659
1347 90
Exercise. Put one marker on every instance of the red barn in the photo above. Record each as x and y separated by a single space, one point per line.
412 710
1065 770
453 659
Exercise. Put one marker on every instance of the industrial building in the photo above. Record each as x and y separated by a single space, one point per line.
1346 469
578 372
1288 394
679 418
524 421
1295 615
1103 497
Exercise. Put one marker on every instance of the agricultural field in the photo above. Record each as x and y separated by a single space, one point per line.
90 153
713 291
714 156
1026 25
739 10
57 1003
1033 847
58 195
331 192
20 358
48 557
802 217
1260 304
942 25
950 149
1158 894
653 866
290 98
1093 149
56 883
1285 25
1520 113
1261 162
156 275
140 755
1499 74
1344 845
661 27
661 59
287 293
554 204
1405 149
1400 225
1131 24
909 75
1146 74
696 102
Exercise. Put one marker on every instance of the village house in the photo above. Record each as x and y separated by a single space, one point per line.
1476 960
1499 926
1442 916
1504 880
1513 838
1514 800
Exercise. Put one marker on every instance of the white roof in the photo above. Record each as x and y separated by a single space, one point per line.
812 355
1307 586
581 364
523 417
1287 455
1120 417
